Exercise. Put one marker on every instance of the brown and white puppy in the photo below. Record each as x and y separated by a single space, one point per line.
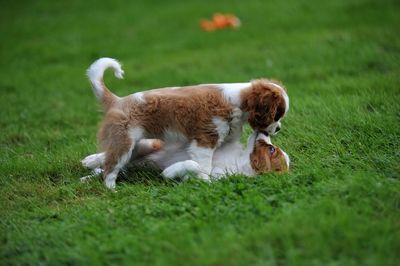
205 116
258 157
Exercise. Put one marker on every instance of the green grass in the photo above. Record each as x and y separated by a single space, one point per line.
340 205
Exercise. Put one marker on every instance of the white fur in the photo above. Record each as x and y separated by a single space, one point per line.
94 161
203 156
286 98
136 133
271 129
228 159
182 169
111 178
236 125
265 138
231 91
222 127
96 72
95 172
287 159
139 97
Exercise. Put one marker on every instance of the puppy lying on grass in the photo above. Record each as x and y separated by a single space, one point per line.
259 156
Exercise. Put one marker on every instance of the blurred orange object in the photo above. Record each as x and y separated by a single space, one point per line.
220 21
207 25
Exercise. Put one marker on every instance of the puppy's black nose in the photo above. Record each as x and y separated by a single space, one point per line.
277 129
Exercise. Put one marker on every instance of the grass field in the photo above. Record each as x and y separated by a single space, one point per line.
339 205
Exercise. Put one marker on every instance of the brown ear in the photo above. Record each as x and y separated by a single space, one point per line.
258 158
262 108
273 102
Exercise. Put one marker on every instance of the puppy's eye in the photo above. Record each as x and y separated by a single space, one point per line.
271 149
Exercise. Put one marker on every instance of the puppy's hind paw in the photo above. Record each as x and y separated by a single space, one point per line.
95 173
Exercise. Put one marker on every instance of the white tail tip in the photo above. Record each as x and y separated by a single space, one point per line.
96 72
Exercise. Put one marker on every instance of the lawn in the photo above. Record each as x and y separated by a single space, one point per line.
339 205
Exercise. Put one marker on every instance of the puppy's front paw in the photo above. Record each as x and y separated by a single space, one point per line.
95 173
86 179
204 177
92 161
110 183
169 173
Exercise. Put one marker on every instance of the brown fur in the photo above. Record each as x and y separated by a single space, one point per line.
262 161
188 111
264 102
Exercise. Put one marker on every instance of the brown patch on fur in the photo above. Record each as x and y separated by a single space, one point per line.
263 161
264 102
187 110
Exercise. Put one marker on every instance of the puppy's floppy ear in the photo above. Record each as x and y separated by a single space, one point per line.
262 103
258 158
276 107
261 115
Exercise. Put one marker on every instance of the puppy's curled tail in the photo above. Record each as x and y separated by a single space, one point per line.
95 74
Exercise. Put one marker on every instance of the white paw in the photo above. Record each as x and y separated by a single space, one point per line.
92 161
191 166
110 184
95 173
110 181
86 179
204 177
169 173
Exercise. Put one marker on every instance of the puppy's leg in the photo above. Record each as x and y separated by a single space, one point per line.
203 156
145 147
117 157
118 137
94 161
95 173
181 169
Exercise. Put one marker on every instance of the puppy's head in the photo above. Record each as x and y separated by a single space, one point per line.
266 103
267 157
